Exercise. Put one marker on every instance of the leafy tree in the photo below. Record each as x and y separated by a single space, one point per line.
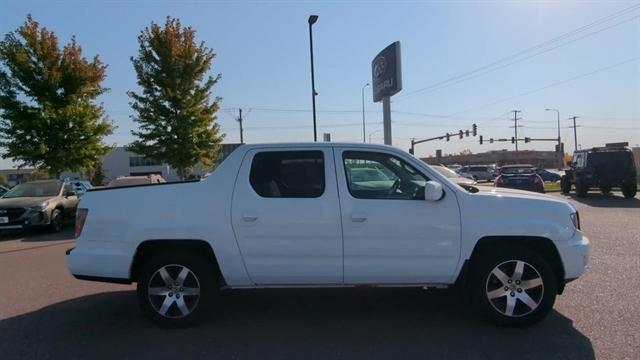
174 111
97 179
48 115
3 180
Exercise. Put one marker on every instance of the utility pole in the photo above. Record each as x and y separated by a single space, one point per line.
240 121
515 126
575 132
364 137
312 20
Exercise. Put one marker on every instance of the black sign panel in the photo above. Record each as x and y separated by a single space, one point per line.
386 74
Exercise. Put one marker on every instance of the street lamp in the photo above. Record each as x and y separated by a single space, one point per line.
377 131
561 156
364 139
312 20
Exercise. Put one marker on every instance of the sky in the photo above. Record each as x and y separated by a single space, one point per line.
463 62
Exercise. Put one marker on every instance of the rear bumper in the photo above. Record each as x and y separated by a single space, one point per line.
99 261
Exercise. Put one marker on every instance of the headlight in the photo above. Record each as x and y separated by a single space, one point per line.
40 206
575 219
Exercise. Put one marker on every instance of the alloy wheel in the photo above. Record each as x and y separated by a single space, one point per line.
174 291
514 288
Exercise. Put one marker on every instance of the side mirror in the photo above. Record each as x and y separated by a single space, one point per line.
433 191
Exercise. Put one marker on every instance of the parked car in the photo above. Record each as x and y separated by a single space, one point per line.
289 215
81 186
135 180
604 168
477 172
454 167
3 190
454 176
521 177
44 203
547 175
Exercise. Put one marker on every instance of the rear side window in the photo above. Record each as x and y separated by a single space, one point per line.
288 174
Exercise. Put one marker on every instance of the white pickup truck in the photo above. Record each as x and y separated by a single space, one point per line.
328 215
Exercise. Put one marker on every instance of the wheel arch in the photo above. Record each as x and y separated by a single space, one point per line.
541 245
149 248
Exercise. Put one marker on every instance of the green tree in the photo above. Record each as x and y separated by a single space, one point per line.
48 115
176 117
97 179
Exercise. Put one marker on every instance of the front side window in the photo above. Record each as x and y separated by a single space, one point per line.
288 174
381 176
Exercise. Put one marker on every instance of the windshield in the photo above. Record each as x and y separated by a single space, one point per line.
39 189
517 170
446 172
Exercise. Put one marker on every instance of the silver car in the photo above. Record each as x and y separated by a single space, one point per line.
478 172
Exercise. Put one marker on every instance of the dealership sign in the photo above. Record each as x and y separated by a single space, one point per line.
386 74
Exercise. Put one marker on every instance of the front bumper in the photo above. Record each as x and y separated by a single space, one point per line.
30 218
575 255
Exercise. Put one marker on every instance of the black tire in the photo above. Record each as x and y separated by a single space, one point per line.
201 275
57 222
605 188
484 282
629 189
565 185
581 189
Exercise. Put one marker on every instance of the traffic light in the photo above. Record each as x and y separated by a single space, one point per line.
527 140
480 139
474 130
466 133
513 140
461 134
448 136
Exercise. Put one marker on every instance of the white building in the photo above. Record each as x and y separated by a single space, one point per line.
121 162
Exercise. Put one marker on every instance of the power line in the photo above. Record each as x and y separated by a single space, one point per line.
496 64
551 85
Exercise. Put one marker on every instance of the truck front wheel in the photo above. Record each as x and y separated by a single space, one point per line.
175 289
629 189
565 185
514 286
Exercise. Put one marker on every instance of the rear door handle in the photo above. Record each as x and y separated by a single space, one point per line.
358 217
249 216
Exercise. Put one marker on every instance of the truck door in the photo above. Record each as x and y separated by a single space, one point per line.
391 234
286 216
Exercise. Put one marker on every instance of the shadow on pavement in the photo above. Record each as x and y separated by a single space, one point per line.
37 235
611 200
289 324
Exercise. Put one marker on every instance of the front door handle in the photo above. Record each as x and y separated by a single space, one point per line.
358 217
249 216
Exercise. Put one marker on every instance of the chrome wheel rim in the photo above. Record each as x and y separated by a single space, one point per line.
174 291
514 288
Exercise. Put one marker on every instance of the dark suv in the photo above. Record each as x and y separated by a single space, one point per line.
604 168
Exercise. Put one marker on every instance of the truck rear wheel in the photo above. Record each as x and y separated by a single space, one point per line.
513 286
175 289
629 189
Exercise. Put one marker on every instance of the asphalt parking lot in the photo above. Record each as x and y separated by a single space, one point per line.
46 313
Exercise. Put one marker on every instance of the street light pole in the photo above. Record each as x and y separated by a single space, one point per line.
312 20
561 156
364 139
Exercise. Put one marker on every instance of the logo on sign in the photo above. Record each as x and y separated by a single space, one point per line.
379 67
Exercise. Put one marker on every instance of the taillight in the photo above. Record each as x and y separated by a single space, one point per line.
81 216
499 180
537 179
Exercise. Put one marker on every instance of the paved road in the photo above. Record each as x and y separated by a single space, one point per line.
45 313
